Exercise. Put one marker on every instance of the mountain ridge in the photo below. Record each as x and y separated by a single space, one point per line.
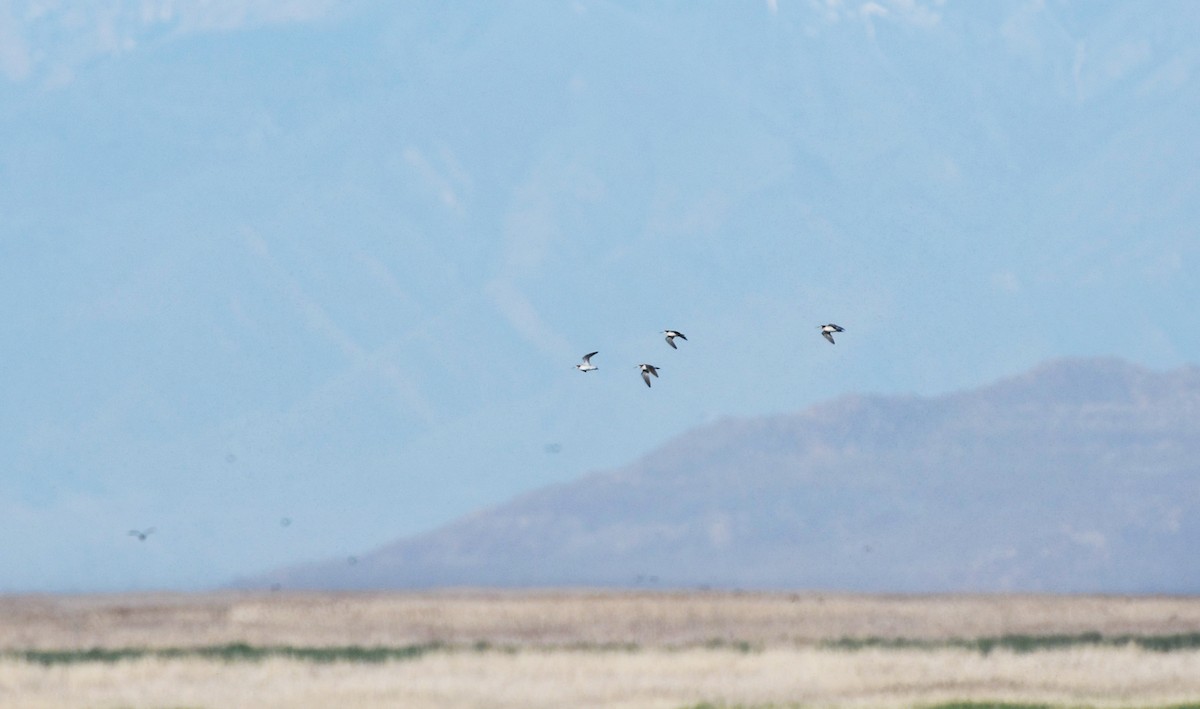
1077 475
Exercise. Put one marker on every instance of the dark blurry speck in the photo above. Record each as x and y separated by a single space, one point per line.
285 522
552 448
141 534
230 458
352 560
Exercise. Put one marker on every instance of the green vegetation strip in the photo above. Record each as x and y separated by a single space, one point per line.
233 652
1025 643
242 652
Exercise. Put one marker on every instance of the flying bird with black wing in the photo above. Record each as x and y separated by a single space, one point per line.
828 330
671 335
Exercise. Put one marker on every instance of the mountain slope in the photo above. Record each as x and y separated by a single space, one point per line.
1080 475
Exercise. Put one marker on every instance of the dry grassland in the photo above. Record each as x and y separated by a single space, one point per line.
537 679
533 619
585 649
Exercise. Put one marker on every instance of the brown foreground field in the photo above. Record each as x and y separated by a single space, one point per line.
596 649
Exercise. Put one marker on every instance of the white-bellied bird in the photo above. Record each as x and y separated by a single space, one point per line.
587 365
828 330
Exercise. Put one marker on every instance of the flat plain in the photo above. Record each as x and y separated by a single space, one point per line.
579 648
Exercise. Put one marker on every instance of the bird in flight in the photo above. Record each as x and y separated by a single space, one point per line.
671 335
647 370
141 534
587 365
828 330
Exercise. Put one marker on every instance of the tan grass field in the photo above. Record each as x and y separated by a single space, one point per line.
593 649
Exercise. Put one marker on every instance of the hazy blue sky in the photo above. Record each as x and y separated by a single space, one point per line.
289 279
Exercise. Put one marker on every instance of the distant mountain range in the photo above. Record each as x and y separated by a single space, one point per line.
1079 476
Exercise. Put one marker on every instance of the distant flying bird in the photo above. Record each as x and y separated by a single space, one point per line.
647 370
671 335
141 534
587 365
828 330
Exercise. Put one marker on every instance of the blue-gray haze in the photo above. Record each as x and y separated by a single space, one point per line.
333 262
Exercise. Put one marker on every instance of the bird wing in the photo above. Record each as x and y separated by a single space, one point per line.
653 369
646 377
680 335
587 358
671 342
828 336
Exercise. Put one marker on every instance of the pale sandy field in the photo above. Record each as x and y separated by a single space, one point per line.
587 649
